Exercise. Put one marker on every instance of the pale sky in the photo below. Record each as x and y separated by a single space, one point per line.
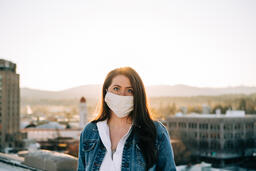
59 44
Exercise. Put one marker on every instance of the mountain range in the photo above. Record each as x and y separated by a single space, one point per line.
93 91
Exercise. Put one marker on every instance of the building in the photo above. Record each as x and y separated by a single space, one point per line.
9 105
43 134
218 139
83 112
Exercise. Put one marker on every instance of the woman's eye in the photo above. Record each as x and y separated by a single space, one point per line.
130 91
116 88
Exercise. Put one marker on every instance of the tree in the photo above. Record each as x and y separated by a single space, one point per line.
242 104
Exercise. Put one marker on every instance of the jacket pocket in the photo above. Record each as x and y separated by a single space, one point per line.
89 145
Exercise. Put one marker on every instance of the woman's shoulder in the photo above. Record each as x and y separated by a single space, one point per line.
160 128
89 128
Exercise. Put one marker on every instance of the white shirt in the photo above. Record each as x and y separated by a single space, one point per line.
109 164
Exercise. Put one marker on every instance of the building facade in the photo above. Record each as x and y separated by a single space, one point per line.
219 139
9 105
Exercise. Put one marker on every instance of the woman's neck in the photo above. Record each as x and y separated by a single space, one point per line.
116 122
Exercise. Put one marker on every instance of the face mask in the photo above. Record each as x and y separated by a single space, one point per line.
120 105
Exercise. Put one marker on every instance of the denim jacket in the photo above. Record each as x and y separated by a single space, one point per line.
92 151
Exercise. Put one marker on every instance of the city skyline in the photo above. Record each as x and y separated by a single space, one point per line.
63 44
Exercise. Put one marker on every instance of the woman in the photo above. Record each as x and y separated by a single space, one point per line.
123 136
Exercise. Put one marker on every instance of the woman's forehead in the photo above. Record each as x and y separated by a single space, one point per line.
121 80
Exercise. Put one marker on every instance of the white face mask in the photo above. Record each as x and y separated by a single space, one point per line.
120 105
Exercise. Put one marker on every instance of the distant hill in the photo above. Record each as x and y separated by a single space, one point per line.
93 91
89 91
184 90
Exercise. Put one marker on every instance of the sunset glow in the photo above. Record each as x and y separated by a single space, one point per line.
62 44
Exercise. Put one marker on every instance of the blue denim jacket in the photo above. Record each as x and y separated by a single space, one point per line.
92 151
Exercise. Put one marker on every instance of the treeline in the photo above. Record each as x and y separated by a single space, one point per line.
165 106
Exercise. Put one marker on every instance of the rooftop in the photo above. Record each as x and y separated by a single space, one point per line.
7 65
196 167
11 162
38 160
229 114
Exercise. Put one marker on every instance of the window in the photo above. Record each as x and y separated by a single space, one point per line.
192 125
228 127
203 135
215 127
182 125
238 135
238 126
228 135
203 126
249 125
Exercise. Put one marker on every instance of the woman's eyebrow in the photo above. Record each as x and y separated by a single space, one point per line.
128 87
120 86
116 85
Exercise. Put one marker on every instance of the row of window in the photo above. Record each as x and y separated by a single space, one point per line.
8 79
192 125
182 125
215 127
249 126
203 126
228 127
205 135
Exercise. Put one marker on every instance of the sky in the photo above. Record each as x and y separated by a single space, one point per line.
60 44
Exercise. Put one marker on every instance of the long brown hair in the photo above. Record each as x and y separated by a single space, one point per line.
144 127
